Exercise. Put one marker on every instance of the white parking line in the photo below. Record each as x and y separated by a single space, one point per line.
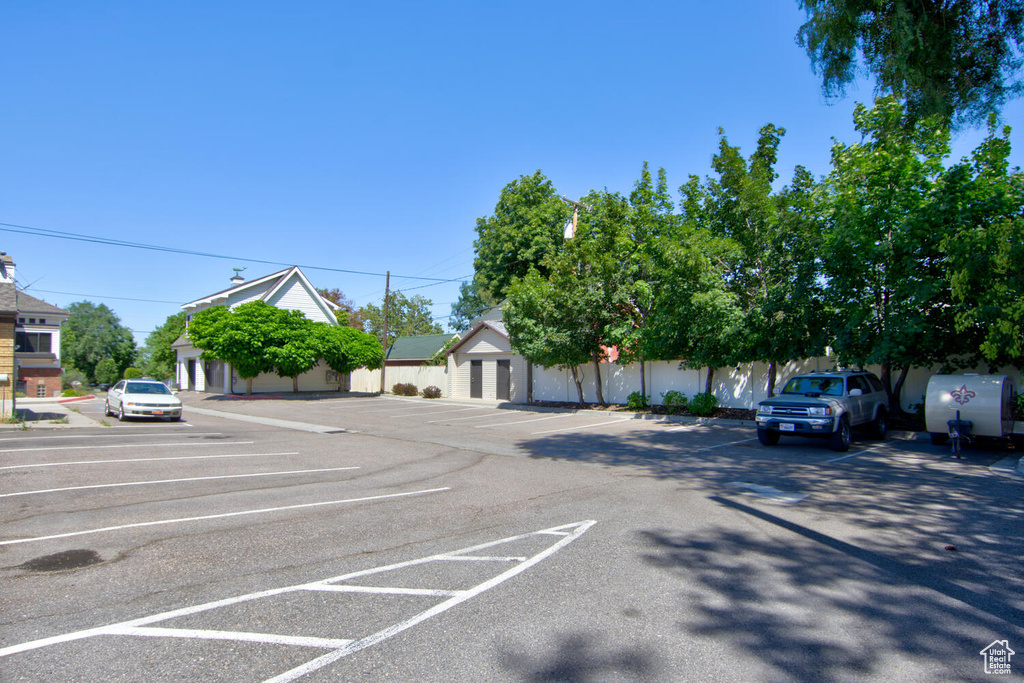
441 412
174 481
472 417
122 445
200 518
172 457
731 443
536 419
101 436
621 420
854 455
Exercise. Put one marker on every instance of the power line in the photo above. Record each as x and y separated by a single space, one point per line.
102 296
57 234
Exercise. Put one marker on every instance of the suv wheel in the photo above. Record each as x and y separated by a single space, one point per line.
880 425
767 436
840 440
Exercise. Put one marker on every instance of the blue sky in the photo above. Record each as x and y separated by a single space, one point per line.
363 136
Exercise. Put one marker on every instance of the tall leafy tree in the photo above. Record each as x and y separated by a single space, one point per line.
349 314
92 334
770 260
565 319
887 293
649 221
982 200
525 228
470 305
957 59
407 317
160 357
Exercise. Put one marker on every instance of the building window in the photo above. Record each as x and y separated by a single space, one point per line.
21 320
42 321
31 321
40 390
32 342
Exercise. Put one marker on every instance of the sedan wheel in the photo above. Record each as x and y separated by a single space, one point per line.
121 417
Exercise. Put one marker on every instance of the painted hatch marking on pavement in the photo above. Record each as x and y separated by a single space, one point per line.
768 493
221 515
342 646
175 481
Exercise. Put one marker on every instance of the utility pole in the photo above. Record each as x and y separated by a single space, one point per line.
570 225
384 343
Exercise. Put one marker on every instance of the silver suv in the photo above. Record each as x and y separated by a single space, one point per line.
825 405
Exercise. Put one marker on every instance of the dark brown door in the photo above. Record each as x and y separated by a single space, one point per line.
191 374
504 379
476 379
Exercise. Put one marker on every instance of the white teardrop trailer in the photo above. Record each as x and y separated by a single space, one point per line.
964 406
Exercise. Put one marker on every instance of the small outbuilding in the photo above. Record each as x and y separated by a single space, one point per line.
482 365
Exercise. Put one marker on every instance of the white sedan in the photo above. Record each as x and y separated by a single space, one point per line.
142 398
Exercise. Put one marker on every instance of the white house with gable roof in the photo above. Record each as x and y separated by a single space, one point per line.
288 289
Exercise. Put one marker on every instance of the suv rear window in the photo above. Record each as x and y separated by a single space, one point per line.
827 386
876 385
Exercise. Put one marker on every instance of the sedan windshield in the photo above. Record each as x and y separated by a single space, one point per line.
828 386
146 388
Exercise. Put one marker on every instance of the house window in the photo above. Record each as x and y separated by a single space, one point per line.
21 320
32 342
40 390
42 321
31 321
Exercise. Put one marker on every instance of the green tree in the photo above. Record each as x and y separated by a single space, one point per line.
526 227
958 59
649 222
348 315
94 333
294 347
470 305
887 293
566 319
982 201
345 349
160 358
238 336
769 263
407 317
106 371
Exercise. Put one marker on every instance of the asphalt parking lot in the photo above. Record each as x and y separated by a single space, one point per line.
370 538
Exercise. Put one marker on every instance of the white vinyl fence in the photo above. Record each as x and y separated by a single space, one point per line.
422 376
735 387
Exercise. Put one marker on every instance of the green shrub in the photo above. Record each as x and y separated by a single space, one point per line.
405 390
20 394
431 392
637 401
132 373
703 404
1020 406
71 393
73 378
674 401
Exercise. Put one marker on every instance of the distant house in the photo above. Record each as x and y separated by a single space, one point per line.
288 289
37 346
8 320
410 351
29 341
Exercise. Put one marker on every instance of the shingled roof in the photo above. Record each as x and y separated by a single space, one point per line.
422 347
28 304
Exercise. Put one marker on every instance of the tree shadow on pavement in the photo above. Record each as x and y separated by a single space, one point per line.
579 658
907 503
812 608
